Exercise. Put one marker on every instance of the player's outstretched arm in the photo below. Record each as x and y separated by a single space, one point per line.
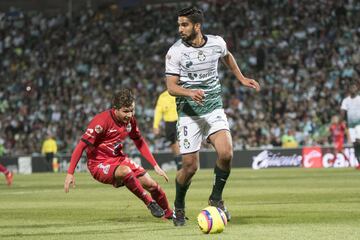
230 62
75 157
69 180
143 148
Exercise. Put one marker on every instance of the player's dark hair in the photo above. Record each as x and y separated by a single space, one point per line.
194 14
123 98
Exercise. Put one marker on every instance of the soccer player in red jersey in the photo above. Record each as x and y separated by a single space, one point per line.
8 175
338 130
106 161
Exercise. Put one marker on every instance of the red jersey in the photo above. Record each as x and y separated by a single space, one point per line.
338 132
103 141
105 136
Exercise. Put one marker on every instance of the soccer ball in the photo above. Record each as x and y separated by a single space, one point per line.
212 220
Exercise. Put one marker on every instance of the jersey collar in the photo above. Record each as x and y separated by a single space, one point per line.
190 45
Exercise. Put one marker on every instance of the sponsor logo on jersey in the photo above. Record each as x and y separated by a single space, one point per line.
98 129
117 148
192 76
188 64
208 74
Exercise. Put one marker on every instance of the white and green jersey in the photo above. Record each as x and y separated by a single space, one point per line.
352 108
197 69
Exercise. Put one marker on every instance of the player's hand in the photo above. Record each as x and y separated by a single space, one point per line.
156 131
161 172
251 83
69 180
198 96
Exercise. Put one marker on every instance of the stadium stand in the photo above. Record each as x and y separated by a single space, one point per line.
57 72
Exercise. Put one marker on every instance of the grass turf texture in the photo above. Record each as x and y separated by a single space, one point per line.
265 204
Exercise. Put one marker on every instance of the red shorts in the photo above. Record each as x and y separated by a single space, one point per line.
104 171
339 146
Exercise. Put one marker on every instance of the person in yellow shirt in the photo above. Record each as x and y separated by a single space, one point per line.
288 140
49 149
165 109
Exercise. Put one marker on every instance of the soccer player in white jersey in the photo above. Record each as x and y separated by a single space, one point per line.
350 107
192 76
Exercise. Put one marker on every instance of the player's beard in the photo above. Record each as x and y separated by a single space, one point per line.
189 38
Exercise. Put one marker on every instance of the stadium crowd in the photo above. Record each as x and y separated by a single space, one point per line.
57 72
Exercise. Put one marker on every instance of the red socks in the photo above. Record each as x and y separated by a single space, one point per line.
159 196
134 185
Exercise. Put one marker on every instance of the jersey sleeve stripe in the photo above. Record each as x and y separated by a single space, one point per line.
172 74
135 138
87 142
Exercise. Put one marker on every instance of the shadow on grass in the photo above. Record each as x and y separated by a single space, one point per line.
36 226
127 219
258 219
127 229
295 218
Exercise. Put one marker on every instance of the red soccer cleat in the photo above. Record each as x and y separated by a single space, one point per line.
9 178
358 167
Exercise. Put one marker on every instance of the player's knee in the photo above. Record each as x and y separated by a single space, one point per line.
190 168
122 171
153 187
226 156
190 165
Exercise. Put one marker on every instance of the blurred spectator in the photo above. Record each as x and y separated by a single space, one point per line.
288 140
8 175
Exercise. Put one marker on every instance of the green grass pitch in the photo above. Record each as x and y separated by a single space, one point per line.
268 204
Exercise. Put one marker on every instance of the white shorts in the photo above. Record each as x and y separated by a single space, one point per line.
193 130
354 133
